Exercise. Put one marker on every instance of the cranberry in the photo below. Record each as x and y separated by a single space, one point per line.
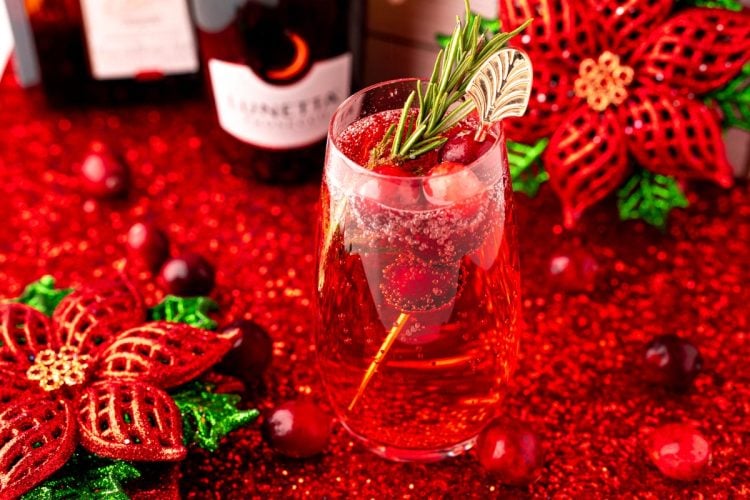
462 148
513 454
574 270
672 362
188 275
298 429
149 244
410 284
103 175
679 451
251 354
395 193
448 183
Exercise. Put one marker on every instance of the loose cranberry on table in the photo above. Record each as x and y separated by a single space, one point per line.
574 270
251 354
298 429
188 275
149 244
672 362
679 451
103 175
513 454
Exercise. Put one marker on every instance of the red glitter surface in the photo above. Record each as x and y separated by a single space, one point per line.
578 383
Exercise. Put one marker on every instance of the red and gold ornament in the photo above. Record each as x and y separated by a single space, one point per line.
93 375
617 80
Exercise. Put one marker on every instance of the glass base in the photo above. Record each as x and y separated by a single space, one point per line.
412 455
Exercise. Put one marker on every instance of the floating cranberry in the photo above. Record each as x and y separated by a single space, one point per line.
463 149
149 244
679 451
251 354
410 284
298 429
188 275
449 183
672 362
102 175
574 270
513 454
394 191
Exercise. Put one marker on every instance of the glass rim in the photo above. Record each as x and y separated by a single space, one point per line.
496 127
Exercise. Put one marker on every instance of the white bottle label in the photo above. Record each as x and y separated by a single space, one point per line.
279 117
128 37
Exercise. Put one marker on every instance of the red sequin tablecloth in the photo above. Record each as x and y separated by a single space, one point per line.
578 380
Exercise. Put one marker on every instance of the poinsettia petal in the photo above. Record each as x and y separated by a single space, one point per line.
552 97
586 160
623 24
130 420
15 385
164 354
90 318
561 29
698 50
37 436
24 331
674 135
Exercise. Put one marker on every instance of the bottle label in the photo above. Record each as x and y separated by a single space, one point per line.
130 38
279 117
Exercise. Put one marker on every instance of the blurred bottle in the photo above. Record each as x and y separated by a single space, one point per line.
278 69
109 51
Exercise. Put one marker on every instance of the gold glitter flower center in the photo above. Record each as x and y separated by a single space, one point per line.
603 82
54 369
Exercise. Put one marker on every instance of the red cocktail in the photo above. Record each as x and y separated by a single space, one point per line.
418 282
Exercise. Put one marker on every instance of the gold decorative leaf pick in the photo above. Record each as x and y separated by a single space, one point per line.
501 88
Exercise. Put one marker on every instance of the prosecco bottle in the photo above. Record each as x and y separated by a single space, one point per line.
111 51
278 69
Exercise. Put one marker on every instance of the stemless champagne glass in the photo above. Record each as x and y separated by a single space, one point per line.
417 290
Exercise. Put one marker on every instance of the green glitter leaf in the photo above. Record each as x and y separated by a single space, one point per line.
42 295
86 476
525 166
734 100
734 5
650 197
207 416
190 310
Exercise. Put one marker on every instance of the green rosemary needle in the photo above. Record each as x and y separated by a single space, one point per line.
440 100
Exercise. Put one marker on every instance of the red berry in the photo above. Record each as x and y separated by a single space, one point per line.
450 183
395 193
574 270
463 149
188 275
103 176
298 429
679 451
251 354
410 284
513 454
149 244
672 362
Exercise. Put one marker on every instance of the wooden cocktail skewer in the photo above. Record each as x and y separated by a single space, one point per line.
384 348
500 89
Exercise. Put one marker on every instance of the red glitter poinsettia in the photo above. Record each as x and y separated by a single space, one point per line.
616 79
94 374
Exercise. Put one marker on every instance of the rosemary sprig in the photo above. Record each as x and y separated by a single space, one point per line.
440 101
